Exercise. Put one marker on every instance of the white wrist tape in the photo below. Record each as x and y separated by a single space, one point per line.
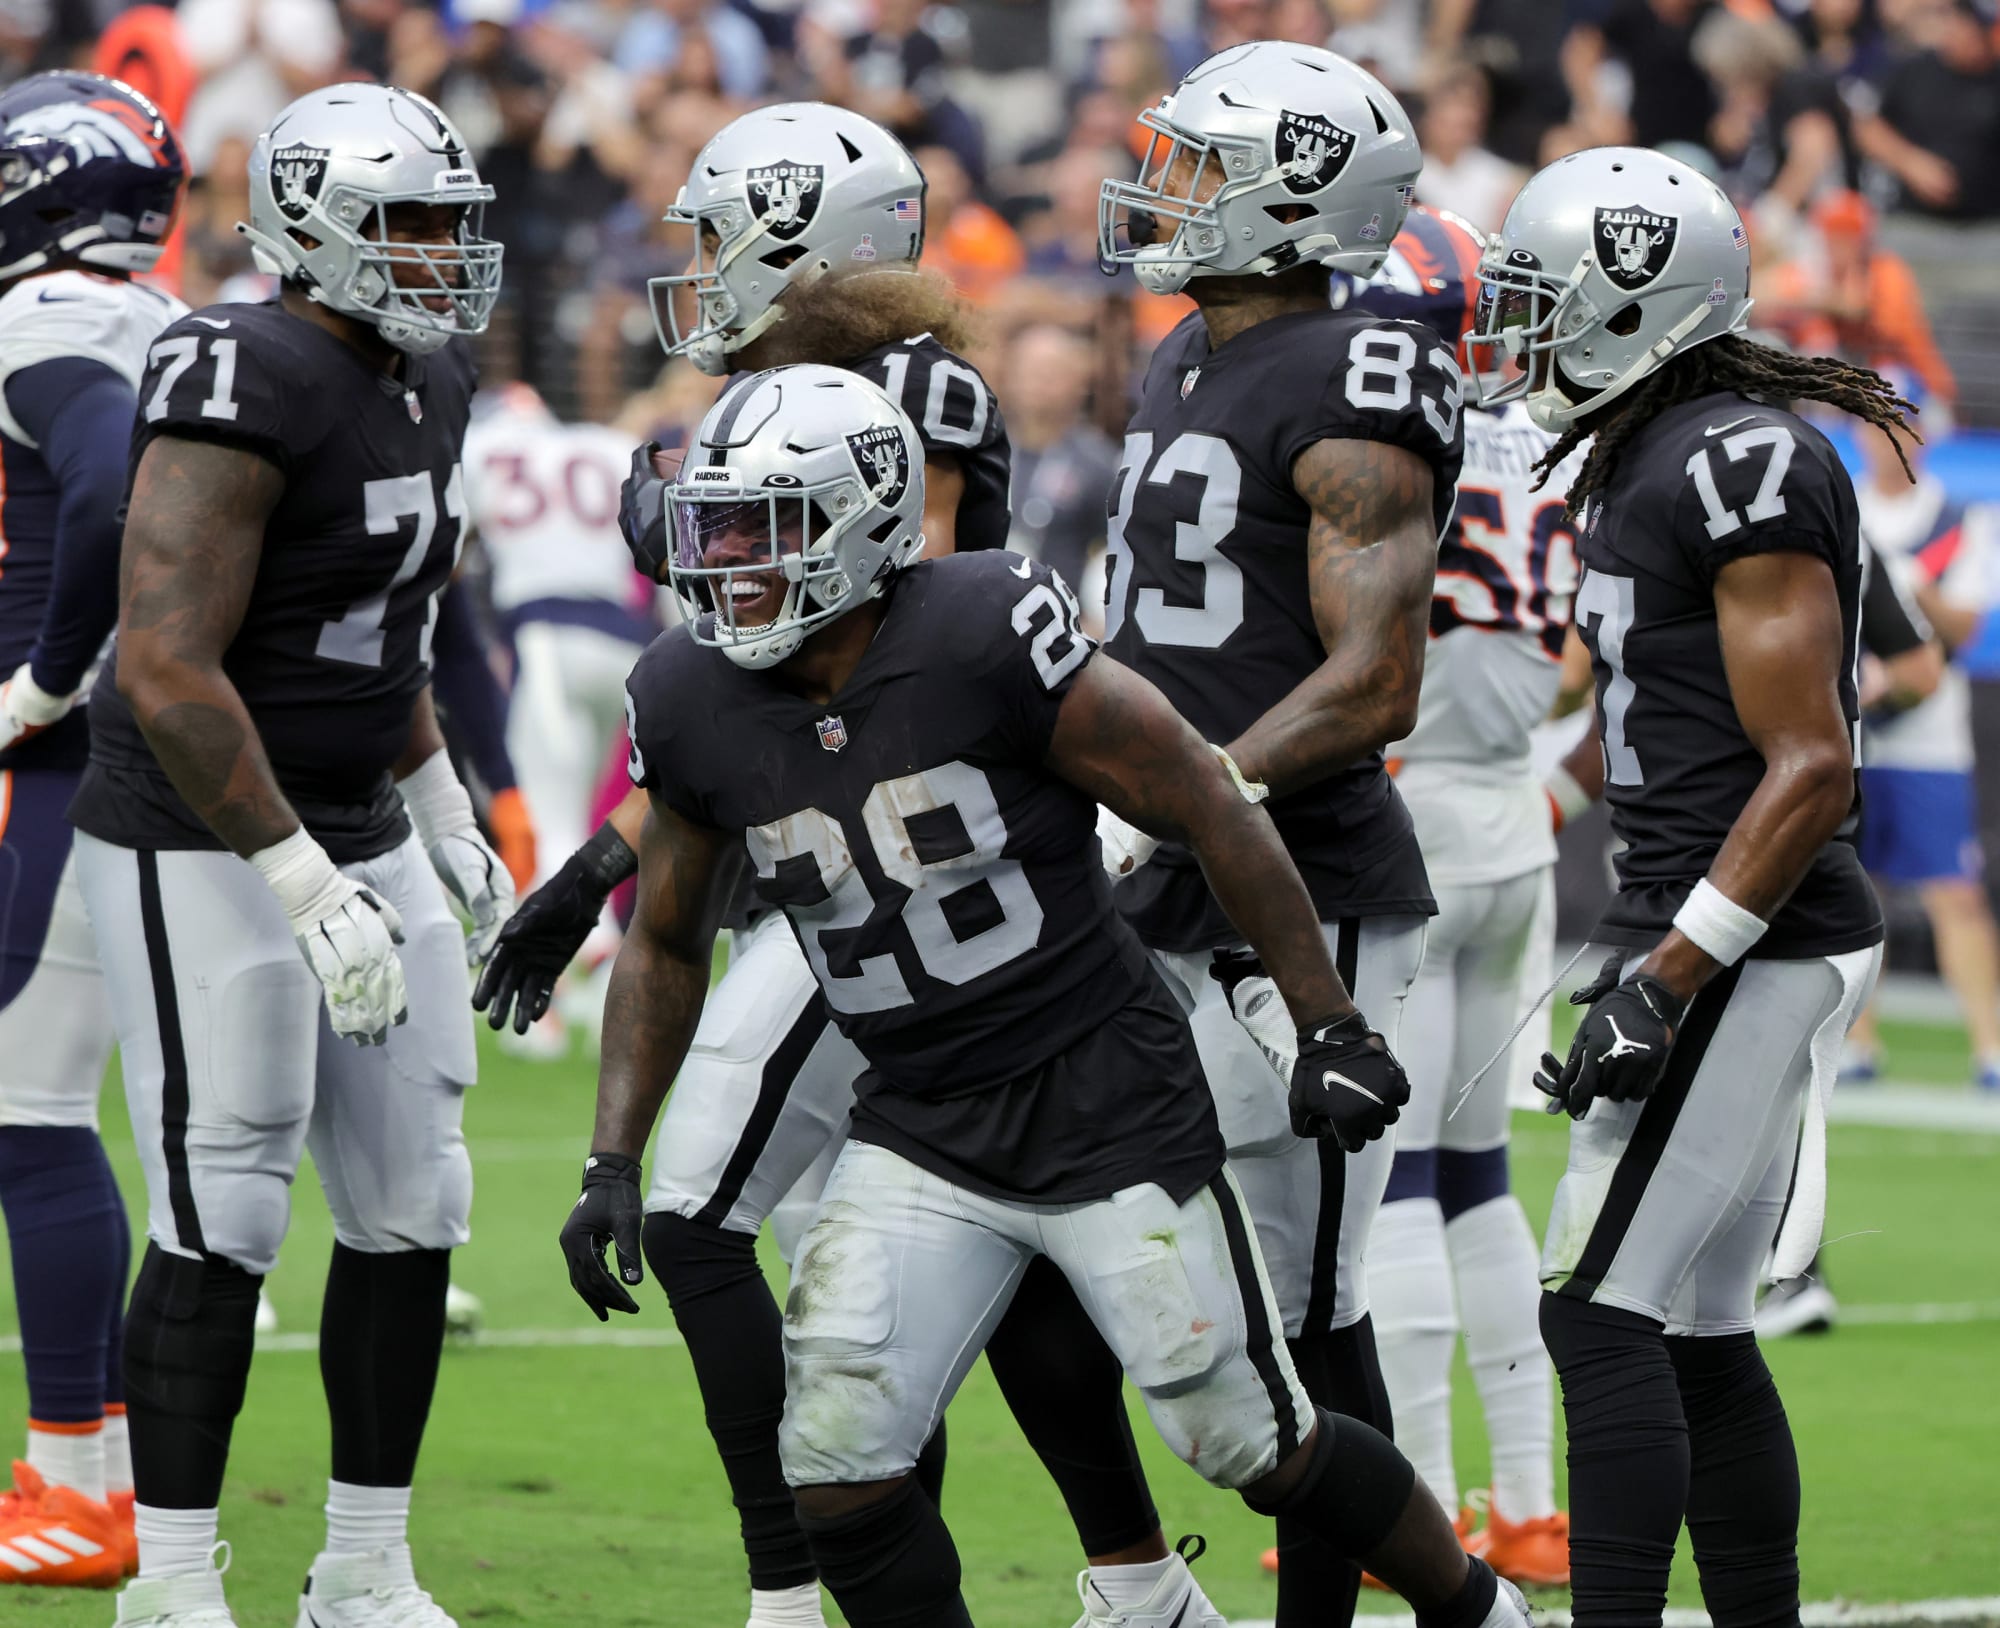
1254 791
1569 797
1718 924
32 704
308 884
438 803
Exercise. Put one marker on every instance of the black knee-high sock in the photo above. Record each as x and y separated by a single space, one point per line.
892 1564
1743 1492
1067 1394
1317 1584
725 1312
930 1466
188 1340
1628 1459
381 1330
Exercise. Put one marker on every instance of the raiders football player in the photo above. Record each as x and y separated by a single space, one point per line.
1272 543
267 816
1720 602
911 750
1452 1249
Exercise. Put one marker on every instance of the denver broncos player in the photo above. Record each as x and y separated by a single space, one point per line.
1720 601
1272 545
912 750
90 179
1452 1248
266 804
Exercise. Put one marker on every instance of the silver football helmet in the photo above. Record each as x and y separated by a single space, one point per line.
1267 156
322 179
801 493
779 198
1609 262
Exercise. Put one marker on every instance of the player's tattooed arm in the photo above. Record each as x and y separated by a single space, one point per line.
194 533
1120 741
1784 651
1371 555
660 978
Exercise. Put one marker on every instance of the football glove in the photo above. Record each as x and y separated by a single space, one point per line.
642 513
347 933
474 876
542 937
1122 845
1346 1084
1621 1047
1258 1006
513 834
26 709
610 1210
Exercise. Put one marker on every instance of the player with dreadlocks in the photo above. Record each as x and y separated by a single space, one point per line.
1720 601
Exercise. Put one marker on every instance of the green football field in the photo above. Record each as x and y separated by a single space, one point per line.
567 1478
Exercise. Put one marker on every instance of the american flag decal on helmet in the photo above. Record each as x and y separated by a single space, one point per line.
910 209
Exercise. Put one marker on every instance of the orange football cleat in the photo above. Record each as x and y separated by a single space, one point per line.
1533 1552
59 1538
120 1505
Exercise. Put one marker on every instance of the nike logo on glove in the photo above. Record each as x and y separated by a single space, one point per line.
1335 1077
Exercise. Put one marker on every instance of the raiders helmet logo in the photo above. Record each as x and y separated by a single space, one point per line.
1634 245
1312 151
296 175
883 460
786 197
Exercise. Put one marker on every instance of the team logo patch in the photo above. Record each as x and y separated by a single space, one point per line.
1312 151
883 460
1634 245
297 173
832 732
786 197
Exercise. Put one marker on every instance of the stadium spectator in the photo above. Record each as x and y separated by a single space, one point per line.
1779 127
661 32
1063 464
1385 36
1847 42
1938 132
213 251
1460 174
1519 43
617 350
1859 301
1632 74
894 73
967 240
253 56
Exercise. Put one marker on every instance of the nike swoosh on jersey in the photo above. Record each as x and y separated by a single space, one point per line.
46 298
1717 429
1024 570
213 322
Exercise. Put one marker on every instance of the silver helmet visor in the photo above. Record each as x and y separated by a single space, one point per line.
740 558
1168 215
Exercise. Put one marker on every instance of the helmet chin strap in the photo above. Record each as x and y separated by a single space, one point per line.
1656 355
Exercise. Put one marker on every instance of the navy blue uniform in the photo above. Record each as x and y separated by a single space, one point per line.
945 887
334 646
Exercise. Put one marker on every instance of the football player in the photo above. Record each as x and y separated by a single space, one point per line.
1720 601
268 815
911 750
1452 1248
808 223
1272 545
92 180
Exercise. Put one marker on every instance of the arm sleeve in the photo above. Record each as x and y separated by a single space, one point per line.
475 709
80 413
1891 624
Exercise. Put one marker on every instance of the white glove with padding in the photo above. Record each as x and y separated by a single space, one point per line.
476 879
348 934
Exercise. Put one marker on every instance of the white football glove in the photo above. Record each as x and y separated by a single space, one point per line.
475 878
347 933
1123 846
27 709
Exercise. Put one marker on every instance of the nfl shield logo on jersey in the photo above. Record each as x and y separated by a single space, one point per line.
1312 151
296 174
1187 384
786 197
832 733
1634 245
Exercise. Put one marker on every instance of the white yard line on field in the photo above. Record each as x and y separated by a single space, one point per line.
1821 1614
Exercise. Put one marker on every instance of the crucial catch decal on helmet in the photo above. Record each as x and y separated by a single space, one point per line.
1634 245
1312 151
786 197
883 459
297 172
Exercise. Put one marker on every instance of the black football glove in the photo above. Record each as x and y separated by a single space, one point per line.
543 935
1346 1084
1621 1046
642 514
610 1210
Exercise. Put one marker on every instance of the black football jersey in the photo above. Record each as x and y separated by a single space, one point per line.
957 417
334 647
1207 591
944 885
1707 482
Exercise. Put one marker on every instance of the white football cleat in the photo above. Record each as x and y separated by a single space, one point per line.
464 1312
786 1607
1176 1602
191 1600
373 1590
267 1315
1510 1607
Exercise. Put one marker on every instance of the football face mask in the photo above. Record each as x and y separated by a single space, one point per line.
744 560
